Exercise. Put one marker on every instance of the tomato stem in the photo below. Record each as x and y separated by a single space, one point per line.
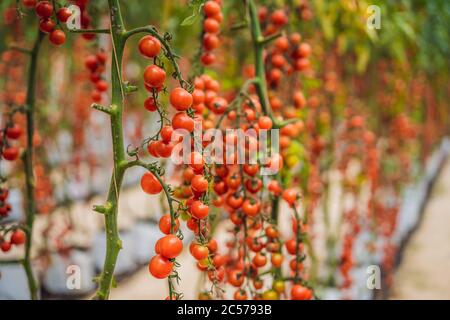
113 242
28 165
260 83
105 31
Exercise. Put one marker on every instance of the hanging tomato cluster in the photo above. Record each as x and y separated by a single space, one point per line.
95 63
45 11
11 133
5 207
211 28
16 237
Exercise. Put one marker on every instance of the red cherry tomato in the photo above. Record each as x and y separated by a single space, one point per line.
160 267
150 184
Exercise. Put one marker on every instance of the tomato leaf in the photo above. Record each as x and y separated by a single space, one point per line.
196 6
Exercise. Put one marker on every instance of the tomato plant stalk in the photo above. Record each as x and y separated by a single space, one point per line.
115 111
259 42
28 165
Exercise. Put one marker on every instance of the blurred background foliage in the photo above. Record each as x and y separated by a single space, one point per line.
407 26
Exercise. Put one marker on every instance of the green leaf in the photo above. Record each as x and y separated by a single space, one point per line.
196 6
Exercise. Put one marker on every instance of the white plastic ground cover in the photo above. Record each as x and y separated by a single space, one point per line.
13 282
70 275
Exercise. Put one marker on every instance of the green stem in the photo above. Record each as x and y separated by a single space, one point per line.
28 166
113 242
258 50
104 31
260 80
298 240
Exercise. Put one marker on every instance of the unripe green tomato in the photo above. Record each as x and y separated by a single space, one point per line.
184 216
270 295
279 286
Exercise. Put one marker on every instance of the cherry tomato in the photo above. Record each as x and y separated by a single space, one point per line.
199 184
44 9
270 295
276 259
293 265
210 41
251 207
5 246
291 246
219 105
182 121
279 286
196 161
290 196
200 252
240 295
234 200
63 14
235 278
164 150
14 132
265 123
259 260
171 246
91 62
199 210
149 46
180 99
150 184
10 153
212 245
47 25
18 237
211 8
29 3
211 25
166 134
150 104
271 232
152 149
57 37
278 17
165 222
154 76
251 169
299 292
160 267
101 85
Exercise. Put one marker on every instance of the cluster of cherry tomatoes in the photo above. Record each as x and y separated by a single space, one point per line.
12 132
95 63
211 29
51 19
16 237
288 55
5 207
180 98
45 11
167 249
